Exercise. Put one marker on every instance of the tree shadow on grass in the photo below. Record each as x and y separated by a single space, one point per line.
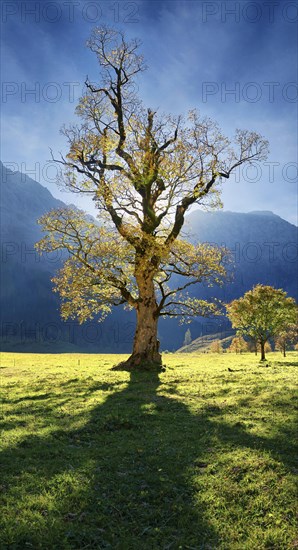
123 480
288 362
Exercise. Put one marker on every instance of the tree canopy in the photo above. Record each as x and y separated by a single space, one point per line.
216 347
238 345
144 170
262 313
288 334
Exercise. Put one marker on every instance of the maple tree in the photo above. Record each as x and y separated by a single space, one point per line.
238 345
288 334
144 170
216 347
261 314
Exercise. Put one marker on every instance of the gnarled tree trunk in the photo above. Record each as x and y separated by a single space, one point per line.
146 345
145 352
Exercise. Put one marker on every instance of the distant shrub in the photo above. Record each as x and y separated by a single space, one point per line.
238 345
216 347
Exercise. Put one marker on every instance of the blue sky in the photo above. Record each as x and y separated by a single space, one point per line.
235 61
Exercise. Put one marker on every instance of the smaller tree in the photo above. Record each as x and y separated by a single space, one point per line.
238 345
187 338
262 313
216 347
288 335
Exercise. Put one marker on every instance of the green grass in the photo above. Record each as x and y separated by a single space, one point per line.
195 458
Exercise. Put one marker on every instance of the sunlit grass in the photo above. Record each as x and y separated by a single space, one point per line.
199 457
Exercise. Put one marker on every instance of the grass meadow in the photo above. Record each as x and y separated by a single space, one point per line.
197 457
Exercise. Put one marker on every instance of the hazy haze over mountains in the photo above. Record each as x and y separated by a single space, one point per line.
263 246
264 249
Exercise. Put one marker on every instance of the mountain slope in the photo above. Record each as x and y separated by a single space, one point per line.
30 317
202 344
263 245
